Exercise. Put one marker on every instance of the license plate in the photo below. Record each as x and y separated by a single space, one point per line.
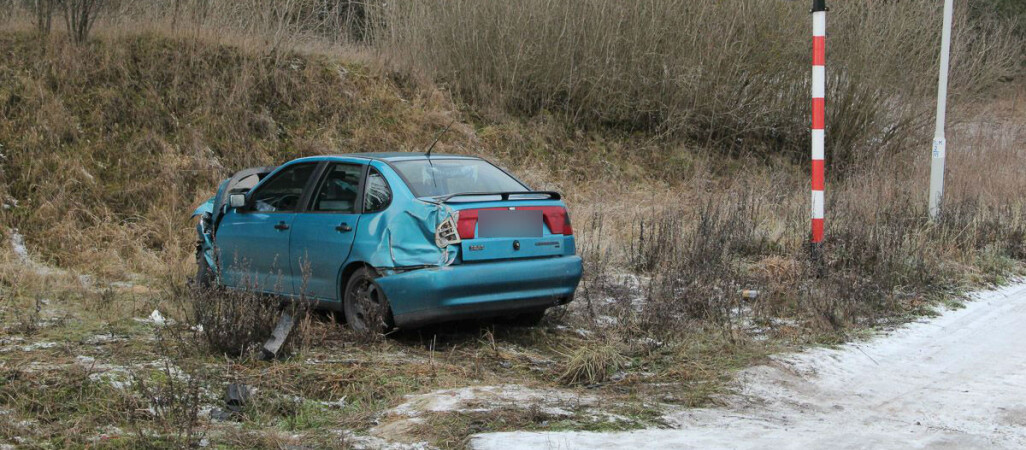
509 224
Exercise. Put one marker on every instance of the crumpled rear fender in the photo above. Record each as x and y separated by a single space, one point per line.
403 235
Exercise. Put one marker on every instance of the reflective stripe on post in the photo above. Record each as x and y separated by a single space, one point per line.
818 117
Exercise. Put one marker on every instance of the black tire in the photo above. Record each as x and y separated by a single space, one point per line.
365 304
204 274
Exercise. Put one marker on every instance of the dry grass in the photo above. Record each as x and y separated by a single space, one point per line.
590 365
725 74
107 146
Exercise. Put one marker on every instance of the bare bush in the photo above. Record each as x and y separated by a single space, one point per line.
734 74
174 391
234 322
80 16
43 11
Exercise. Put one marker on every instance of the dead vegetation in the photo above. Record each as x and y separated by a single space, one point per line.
684 193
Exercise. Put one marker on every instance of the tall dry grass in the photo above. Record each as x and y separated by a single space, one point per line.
731 74
694 248
107 147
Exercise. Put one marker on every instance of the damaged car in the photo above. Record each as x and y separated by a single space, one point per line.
391 239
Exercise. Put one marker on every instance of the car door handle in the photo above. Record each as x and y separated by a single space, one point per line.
344 228
281 226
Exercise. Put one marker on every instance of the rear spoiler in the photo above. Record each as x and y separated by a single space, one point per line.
504 195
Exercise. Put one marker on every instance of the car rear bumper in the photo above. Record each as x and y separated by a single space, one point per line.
464 291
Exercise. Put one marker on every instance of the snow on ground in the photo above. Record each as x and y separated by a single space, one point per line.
23 255
955 381
404 419
487 398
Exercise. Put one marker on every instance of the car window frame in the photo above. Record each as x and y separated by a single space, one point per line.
304 197
322 176
363 192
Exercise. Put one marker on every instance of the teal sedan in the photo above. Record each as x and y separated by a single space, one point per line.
391 239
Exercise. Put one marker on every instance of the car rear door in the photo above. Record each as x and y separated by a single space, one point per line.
253 242
322 235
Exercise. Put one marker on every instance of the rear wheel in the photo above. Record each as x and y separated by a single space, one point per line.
365 304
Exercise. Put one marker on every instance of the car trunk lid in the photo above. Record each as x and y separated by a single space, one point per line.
512 229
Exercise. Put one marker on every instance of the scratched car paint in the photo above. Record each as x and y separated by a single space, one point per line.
393 239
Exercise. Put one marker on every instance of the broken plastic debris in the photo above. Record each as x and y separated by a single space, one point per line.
236 397
278 336
157 318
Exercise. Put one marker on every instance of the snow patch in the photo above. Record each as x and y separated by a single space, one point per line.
955 381
488 398
30 347
18 244
365 442
22 253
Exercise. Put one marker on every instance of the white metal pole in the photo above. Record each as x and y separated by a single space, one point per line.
939 141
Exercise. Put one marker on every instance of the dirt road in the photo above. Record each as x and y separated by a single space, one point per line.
954 381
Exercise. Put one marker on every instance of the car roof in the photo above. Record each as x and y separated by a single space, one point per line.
386 156
404 156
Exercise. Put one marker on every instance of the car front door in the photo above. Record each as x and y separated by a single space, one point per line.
322 236
253 242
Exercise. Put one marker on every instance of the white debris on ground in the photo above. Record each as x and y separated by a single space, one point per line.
155 318
955 381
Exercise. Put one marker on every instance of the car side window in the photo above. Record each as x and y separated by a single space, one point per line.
377 194
339 190
282 193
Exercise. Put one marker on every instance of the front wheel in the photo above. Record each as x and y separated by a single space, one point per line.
365 304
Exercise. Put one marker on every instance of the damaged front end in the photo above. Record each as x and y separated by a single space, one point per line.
211 211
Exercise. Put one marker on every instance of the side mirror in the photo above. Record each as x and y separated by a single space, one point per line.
237 201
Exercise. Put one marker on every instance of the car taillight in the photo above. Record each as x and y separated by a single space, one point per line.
467 223
556 218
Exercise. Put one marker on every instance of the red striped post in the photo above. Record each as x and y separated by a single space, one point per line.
818 119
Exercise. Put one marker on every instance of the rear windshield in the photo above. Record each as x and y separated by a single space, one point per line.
435 177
